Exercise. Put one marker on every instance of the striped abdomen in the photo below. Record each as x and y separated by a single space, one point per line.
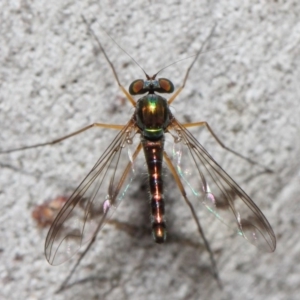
154 157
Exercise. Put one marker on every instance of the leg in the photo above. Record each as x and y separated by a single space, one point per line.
111 126
190 67
128 96
199 124
64 284
183 193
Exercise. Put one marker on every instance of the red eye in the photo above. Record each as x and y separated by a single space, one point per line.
166 85
136 87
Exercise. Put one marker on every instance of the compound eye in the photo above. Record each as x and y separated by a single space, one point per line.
136 87
166 86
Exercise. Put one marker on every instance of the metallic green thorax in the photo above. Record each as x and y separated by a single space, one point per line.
152 116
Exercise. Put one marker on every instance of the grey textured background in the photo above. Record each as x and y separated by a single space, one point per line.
53 81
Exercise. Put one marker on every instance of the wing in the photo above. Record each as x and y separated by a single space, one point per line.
219 193
94 200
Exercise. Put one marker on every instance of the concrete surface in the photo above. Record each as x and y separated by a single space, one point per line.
53 81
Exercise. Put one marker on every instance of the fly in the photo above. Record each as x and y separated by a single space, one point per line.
93 202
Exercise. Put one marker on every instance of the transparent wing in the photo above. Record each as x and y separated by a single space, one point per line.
94 200
219 193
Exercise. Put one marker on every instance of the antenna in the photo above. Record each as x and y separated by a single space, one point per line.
99 44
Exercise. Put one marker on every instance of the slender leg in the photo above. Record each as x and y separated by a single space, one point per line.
111 126
128 96
183 193
199 124
191 65
64 284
